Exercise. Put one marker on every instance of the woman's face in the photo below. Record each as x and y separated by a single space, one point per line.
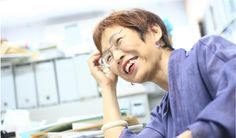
128 56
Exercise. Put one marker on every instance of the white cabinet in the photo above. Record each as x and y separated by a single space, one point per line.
7 89
25 86
46 83
86 83
67 81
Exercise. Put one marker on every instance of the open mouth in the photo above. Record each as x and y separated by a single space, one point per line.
129 66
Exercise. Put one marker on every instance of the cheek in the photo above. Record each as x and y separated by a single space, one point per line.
114 68
130 45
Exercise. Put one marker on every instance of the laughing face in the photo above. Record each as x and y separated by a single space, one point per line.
128 56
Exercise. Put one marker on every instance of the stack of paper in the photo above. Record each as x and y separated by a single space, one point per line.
80 127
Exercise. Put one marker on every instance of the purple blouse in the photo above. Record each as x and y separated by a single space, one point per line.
201 96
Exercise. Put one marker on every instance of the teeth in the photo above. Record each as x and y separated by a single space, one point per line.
127 67
129 64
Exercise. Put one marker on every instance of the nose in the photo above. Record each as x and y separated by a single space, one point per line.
118 55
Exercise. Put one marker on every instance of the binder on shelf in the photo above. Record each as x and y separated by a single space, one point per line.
67 81
46 83
218 11
229 9
8 98
87 85
209 21
25 86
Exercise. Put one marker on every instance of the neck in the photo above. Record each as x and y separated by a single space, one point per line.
161 77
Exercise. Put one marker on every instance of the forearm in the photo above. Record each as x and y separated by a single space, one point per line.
111 111
207 129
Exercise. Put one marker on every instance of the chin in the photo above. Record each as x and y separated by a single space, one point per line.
141 76
137 79
138 76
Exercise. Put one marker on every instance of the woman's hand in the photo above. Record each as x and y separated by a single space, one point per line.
103 80
185 134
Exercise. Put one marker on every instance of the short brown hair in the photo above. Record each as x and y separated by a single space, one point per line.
136 19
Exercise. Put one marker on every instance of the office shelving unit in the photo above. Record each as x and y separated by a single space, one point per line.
220 18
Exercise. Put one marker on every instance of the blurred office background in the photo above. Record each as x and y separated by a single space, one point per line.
45 45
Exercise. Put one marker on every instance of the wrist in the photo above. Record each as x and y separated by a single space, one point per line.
113 124
108 86
107 89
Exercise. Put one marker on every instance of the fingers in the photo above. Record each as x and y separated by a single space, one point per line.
98 72
94 65
93 59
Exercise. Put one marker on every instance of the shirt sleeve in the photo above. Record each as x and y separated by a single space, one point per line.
154 129
217 63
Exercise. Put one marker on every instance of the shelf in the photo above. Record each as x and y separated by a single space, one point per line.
15 58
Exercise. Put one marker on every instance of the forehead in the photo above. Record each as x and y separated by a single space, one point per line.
111 32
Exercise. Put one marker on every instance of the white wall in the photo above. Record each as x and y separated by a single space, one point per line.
33 32
31 35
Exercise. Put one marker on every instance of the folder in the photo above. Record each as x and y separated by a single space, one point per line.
25 86
67 80
7 89
46 83
87 85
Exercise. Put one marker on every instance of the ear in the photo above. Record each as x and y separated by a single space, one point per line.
156 32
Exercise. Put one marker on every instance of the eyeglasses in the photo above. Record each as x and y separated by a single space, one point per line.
107 56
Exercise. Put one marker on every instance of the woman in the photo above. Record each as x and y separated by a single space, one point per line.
199 84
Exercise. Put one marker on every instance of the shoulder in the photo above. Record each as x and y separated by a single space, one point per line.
217 46
208 39
214 45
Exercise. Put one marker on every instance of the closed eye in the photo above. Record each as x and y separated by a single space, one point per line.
118 41
108 59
